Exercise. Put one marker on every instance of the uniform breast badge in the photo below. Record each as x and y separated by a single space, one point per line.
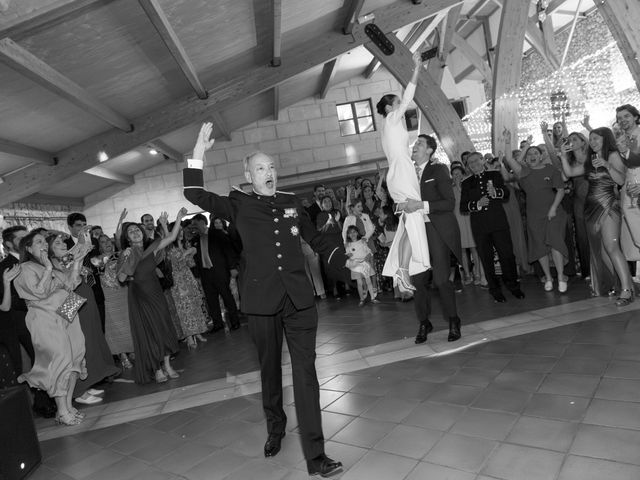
290 213
295 231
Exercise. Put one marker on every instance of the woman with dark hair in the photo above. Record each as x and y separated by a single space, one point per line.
605 171
154 337
546 219
402 182
58 341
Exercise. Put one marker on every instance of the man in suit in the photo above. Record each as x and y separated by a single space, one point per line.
13 328
483 194
149 225
213 264
276 294
316 207
443 237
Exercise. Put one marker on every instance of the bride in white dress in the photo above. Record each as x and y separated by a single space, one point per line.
409 253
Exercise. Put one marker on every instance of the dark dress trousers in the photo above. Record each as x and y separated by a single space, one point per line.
276 295
215 280
490 228
443 238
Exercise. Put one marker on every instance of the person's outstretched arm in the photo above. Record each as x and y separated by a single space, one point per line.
515 166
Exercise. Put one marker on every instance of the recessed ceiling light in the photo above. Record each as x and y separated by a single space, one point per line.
153 151
102 156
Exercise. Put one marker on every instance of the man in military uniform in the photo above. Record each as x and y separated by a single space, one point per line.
275 292
482 196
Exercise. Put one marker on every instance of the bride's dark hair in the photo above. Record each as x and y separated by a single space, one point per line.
381 106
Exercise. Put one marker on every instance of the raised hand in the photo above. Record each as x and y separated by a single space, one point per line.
204 141
43 256
585 121
543 127
164 218
417 59
530 139
123 215
10 273
506 135
181 214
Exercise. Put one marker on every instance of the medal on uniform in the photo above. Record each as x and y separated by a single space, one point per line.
290 213
295 231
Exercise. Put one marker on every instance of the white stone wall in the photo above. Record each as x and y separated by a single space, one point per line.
306 138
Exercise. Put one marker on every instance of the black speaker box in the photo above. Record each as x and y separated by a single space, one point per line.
19 448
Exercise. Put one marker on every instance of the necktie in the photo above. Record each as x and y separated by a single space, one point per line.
418 172
204 249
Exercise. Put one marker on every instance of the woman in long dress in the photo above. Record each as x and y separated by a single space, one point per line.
605 171
409 253
58 343
154 337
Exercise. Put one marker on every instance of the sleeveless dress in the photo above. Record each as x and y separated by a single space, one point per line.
601 202
402 183
153 333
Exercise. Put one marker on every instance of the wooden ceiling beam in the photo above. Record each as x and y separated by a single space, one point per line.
41 73
102 172
437 65
220 126
328 76
166 150
538 42
276 61
40 198
429 97
488 39
470 16
33 154
473 57
28 15
168 35
352 16
301 56
507 70
374 64
623 17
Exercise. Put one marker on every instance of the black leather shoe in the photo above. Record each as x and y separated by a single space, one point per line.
454 329
216 328
272 446
323 466
519 294
499 297
424 329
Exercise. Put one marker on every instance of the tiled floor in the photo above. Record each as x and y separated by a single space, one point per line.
548 388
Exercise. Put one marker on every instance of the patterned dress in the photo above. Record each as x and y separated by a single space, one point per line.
117 325
186 295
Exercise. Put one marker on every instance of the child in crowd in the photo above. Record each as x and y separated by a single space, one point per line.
359 263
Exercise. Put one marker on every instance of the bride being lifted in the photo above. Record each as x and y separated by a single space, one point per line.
409 253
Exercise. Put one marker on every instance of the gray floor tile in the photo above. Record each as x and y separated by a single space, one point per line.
138 439
478 377
581 365
619 389
332 423
590 350
109 435
349 455
390 409
363 432
627 352
623 369
413 390
174 420
512 462
568 384
185 457
485 424
327 397
615 444
611 413
523 381
222 463
91 464
163 445
531 363
436 374
461 452
258 469
543 348
375 386
352 404
434 415
581 468
408 441
71 456
426 470
490 362
500 399
560 407
543 433
124 469
456 394
380 465
343 383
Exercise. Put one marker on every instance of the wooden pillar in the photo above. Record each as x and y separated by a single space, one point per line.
623 18
507 70
429 97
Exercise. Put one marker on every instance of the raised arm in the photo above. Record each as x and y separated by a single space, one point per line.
173 234
123 215
410 91
515 166
585 122
551 148
193 178
569 170
7 277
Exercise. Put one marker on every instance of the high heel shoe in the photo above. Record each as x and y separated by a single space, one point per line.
171 373
403 283
191 343
68 419
126 363
161 377
200 338
77 413
626 300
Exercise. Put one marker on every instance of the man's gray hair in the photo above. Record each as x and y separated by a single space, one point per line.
248 158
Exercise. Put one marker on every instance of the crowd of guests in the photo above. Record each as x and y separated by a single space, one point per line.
85 306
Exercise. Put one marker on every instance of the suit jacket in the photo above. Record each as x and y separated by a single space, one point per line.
17 303
437 189
492 217
273 264
314 209
221 253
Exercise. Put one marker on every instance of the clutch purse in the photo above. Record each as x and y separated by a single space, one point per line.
69 308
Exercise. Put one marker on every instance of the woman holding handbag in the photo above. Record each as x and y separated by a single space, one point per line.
52 320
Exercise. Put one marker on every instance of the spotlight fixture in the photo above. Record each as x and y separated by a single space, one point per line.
153 151
102 156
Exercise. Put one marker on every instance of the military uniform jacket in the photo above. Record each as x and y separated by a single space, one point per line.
491 218
437 189
270 228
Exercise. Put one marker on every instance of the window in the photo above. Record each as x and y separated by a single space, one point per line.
355 117
460 106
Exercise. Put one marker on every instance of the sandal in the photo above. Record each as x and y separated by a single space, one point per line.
200 338
626 300
191 343
403 283
171 373
126 363
161 377
77 413
68 419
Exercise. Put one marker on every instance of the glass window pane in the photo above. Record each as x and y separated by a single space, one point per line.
347 128
365 124
363 109
344 111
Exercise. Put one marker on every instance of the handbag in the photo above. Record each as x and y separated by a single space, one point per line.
69 308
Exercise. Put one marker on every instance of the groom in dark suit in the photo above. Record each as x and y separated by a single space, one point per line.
443 236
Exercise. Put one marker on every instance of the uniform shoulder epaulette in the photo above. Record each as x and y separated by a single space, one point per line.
238 189
285 193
